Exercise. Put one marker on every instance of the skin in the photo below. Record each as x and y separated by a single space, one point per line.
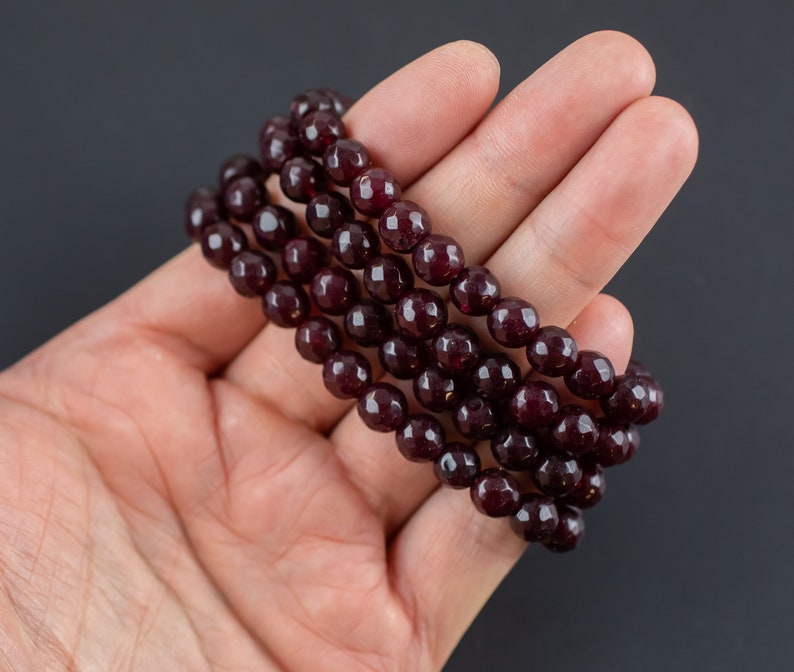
178 490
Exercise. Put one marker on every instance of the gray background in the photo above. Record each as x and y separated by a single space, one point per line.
112 112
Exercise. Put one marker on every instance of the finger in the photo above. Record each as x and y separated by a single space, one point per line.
413 118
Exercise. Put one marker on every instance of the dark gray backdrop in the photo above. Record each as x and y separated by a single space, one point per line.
111 112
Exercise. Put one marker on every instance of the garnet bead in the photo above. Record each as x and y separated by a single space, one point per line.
326 212
535 403
589 490
536 518
403 225
557 474
278 123
495 493
513 322
569 531
316 338
553 352
456 348
613 445
436 390
318 129
387 277
345 160
285 304
476 418
630 400
382 407
515 448
593 377
240 165
355 243
438 259
221 242
301 179
421 438
273 227
243 197
655 401
203 207
402 357
373 191
475 291
334 290
251 273
367 323
277 147
421 313
309 101
575 432
341 103
457 466
637 368
496 375
347 374
302 257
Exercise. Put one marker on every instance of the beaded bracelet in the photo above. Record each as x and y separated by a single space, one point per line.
563 448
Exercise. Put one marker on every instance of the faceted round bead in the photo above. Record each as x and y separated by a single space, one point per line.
569 532
402 357
655 401
496 375
403 225
536 518
221 242
535 403
475 291
278 123
240 165
457 466
251 273
515 448
326 212
590 489
476 418
243 197
277 147
436 390
557 474
421 438
382 407
374 190
438 259
318 129
316 338
495 493
593 376
341 103
513 322
355 243
273 226
387 277
301 179
334 290
203 207
575 432
613 445
347 374
345 160
367 323
285 304
309 101
302 257
629 401
421 313
456 348
634 442
637 368
553 352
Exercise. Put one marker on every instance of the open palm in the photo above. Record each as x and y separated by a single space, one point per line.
178 490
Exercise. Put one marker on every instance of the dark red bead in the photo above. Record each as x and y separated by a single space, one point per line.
309 101
590 489
273 226
536 518
457 466
318 129
556 474
421 437
355 243
347 374
326 212
535 403
277 147
244 196
634 442
613 445
278 123
575 432
496 375
301 179
221 242
438 259
285 304
203 207
476 418
569 532
629 401
387 277
456 348
341 103
302 257
240 165
593 376
515 448
382 407
367 323
421 313
316 338
403 225
374 190
495 493
475 291
637 368
334 290
436 390
345 160
655 401
251 273
553 352
402 357
513 322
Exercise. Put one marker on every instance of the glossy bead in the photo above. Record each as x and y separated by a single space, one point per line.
421 313
367 323
374 190
402 357
456 348
302 257
536 518
553 352
475 291
318 129
592 377
515 448
421 438
513 322
355 243
273 226
251 273
316 338
556 474
637 368
301 179
629 401
240 165
309 101
202 208
382 407
341 103
277 147
589 490
347 374
569 532
613 445
494 492
535 403
334 290
575 431
655 401
345 160
457 466
436 390
403 225
438 259
221 242
243 197
278 123
496 375
634 442
326 212
476 418
285 304
387 277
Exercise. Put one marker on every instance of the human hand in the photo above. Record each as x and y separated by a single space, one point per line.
178 490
